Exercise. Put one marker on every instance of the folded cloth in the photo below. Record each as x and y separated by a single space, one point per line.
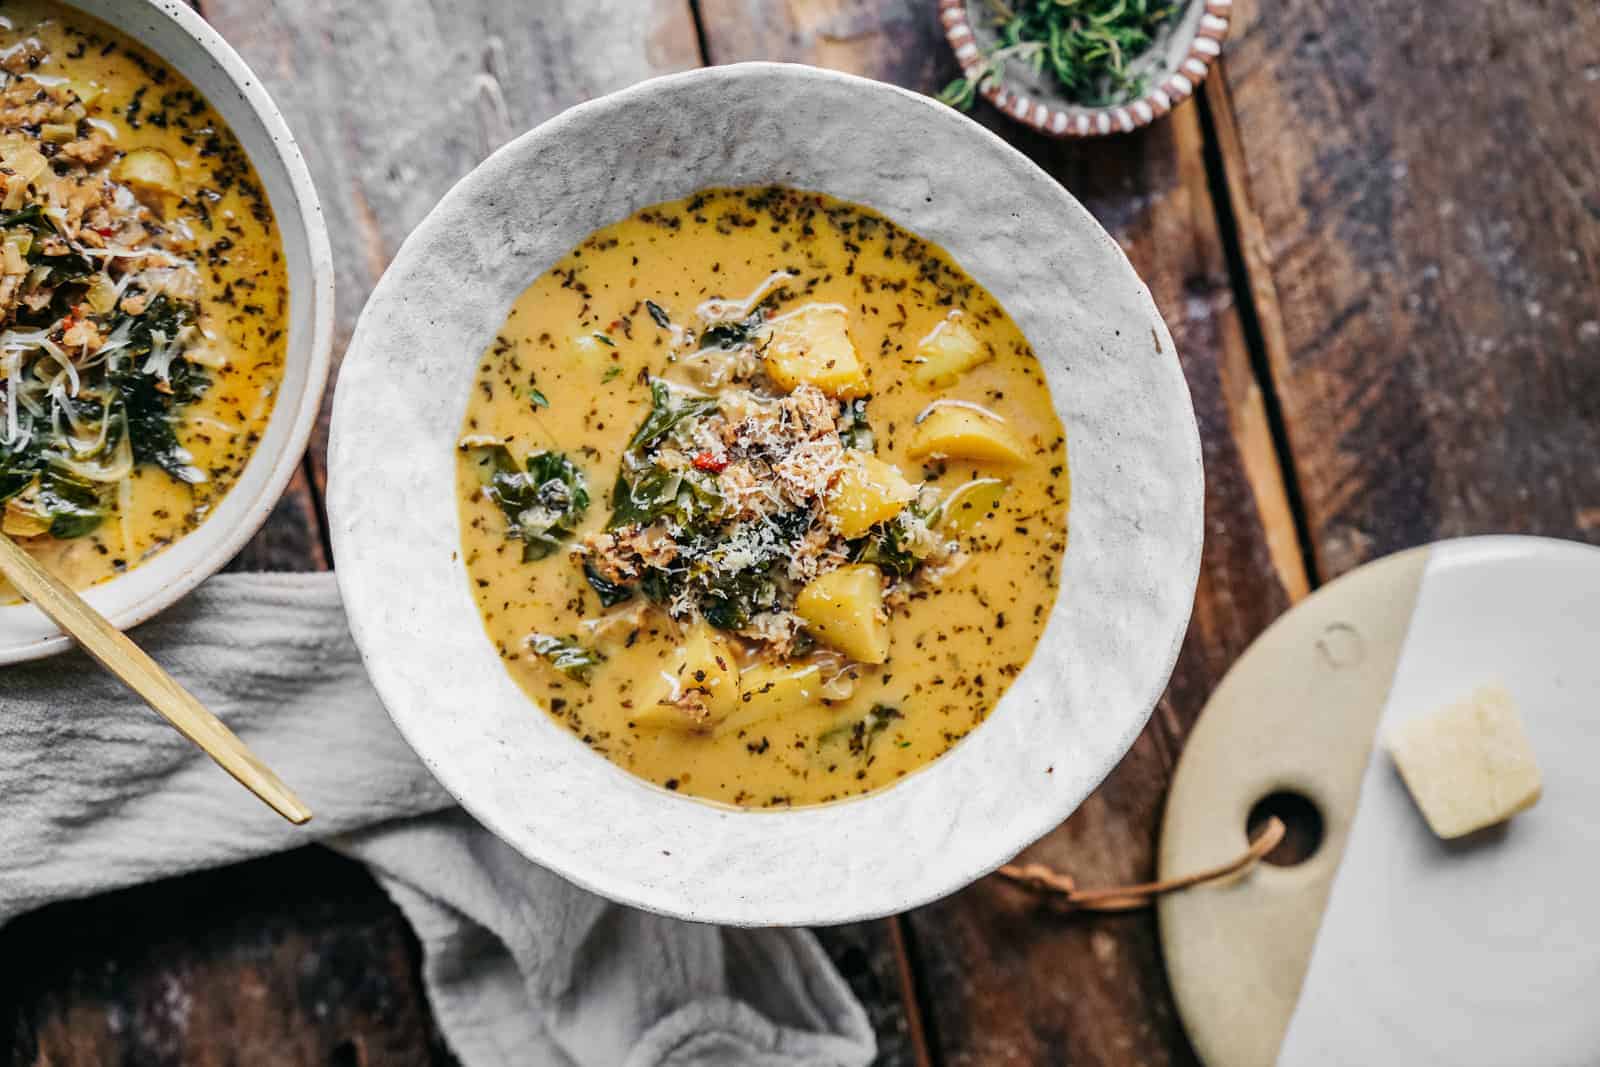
521 967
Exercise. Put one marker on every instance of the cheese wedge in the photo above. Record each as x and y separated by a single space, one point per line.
1468 765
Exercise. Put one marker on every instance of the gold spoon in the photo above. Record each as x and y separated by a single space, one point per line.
140 673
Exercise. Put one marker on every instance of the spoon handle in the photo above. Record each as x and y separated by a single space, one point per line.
117 654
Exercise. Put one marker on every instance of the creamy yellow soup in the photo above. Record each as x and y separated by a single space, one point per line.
140 248
762 497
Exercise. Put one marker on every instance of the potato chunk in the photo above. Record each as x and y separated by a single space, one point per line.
811 346
1468 765
588 351
148 170
962 433
701 690
20 522
867 492
972 506
768 691
947 353
844 610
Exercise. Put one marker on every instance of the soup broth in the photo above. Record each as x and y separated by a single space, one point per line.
762 497
143 293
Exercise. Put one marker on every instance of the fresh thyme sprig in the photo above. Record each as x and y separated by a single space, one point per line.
1088 46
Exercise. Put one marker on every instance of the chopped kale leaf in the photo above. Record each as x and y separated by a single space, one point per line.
895 546
610 593
543 504
150 416
729 602
19 467
75 507
149 402
668 408
730 575
642 496
867 729
646 492
566 655
732 334
68 266
31 217
856 433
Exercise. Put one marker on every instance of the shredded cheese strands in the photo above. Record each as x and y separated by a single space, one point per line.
965 405
115 470
714 311
79 441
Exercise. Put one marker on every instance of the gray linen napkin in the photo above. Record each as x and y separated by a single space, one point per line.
522 967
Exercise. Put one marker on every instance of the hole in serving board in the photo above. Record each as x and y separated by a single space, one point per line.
1301 820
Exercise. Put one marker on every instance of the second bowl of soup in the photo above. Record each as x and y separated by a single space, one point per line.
786 533
165 305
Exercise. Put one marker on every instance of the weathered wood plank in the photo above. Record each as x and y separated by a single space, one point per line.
1006 981
291 538
873 961
390 111
217 969
1423 208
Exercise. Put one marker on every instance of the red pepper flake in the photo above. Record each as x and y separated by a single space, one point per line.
105 231
707 461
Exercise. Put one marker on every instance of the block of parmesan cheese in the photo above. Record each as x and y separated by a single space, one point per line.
1468 765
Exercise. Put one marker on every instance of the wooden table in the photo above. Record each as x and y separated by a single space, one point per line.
1377 239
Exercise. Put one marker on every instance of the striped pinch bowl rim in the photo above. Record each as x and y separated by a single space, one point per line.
1054 119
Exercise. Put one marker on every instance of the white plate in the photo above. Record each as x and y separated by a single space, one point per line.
173 31
1128 575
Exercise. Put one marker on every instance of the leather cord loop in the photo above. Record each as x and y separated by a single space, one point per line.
1042 879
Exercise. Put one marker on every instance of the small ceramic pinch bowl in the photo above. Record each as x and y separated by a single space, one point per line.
1128 573
1173 68
172 30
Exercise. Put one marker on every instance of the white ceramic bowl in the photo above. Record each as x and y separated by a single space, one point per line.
173 31
1128 576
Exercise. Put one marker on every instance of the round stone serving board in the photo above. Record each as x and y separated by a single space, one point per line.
1388 945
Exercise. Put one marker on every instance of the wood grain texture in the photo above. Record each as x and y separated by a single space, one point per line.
1005 980
1422 200
291 539
219 970
873 960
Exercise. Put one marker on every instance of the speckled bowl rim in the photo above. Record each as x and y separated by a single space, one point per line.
1129 572
1055 120
157 584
